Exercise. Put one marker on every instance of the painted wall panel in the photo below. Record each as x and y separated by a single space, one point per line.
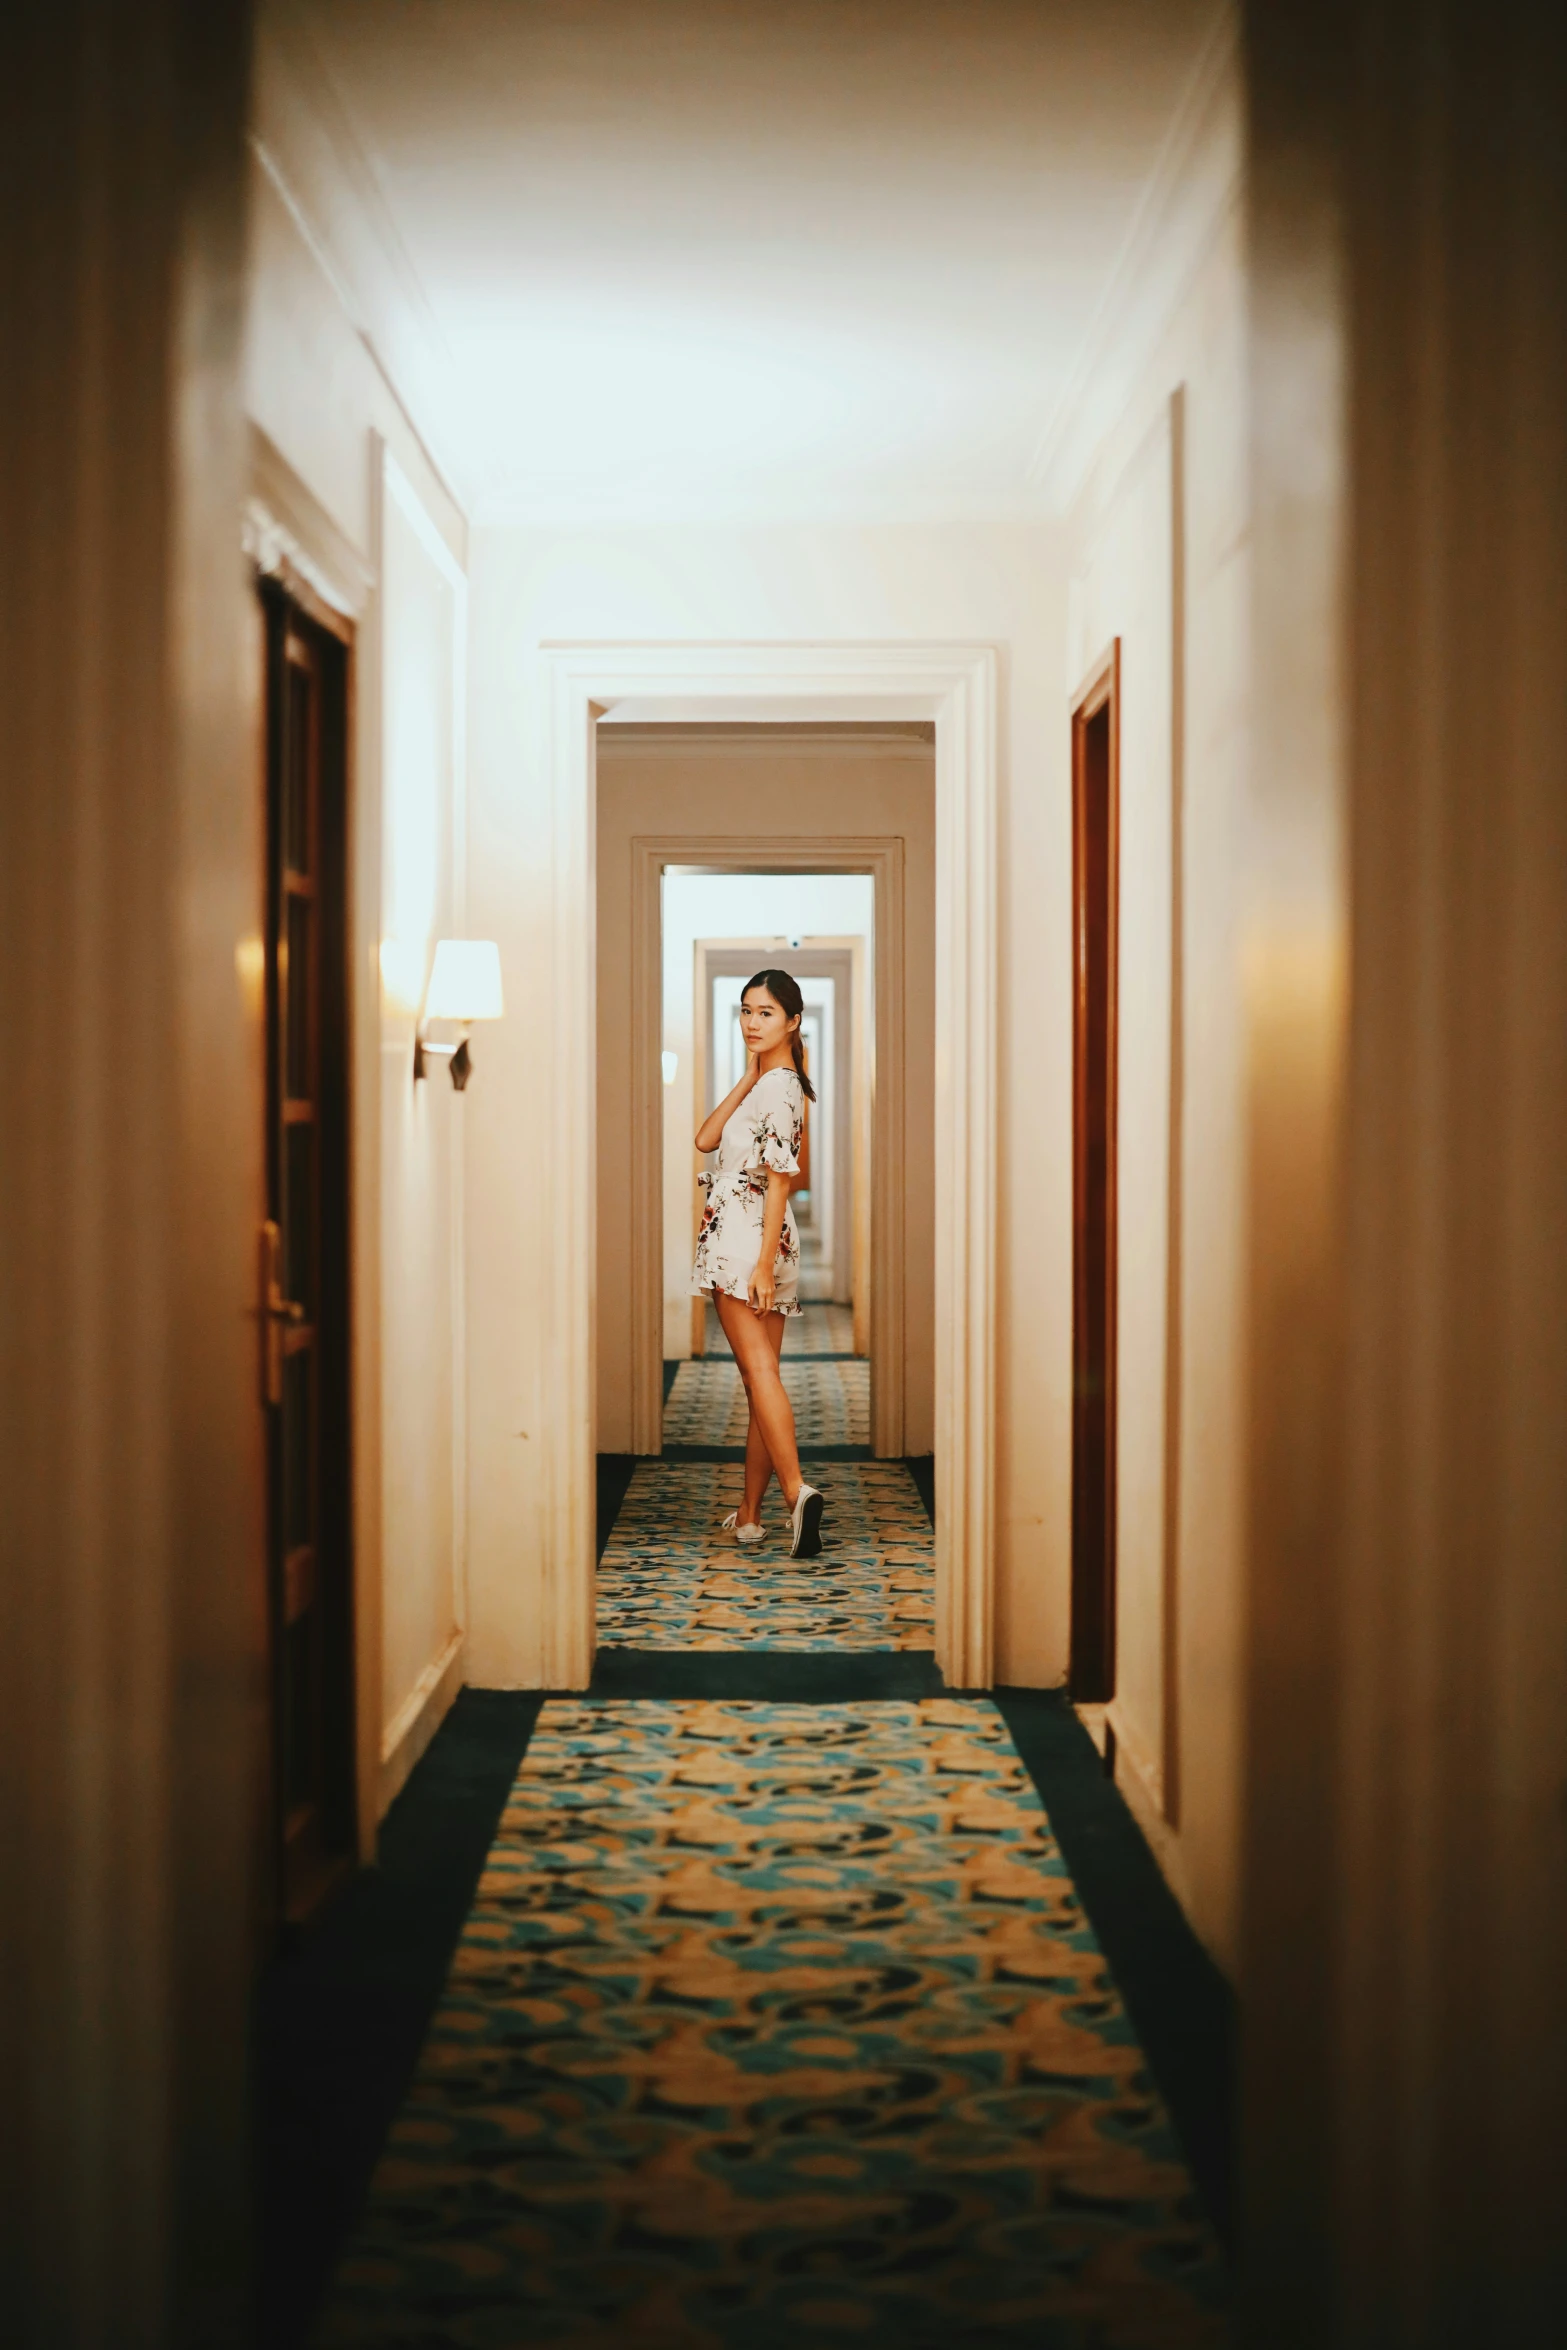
1178 465
421 1124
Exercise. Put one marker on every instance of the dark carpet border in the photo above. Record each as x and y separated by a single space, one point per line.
671 1369
1178 1999
736 1452
770 1676
342 2011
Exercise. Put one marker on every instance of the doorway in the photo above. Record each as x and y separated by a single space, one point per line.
820 927
597 1335
305 1254
832 1207
899 1164
1095 905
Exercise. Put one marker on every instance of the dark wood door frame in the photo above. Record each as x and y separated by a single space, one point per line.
1096 798
305 1249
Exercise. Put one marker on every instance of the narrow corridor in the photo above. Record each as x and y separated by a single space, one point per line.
499 498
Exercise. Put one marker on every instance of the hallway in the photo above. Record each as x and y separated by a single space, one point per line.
519 514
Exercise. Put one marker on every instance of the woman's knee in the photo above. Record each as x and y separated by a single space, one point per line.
756 1371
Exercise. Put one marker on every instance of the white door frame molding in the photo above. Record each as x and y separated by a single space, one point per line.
883 861
955 686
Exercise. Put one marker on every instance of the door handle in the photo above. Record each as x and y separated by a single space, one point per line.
276 1309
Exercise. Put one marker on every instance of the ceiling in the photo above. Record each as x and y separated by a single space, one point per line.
721 258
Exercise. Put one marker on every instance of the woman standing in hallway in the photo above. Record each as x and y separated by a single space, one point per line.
748 1250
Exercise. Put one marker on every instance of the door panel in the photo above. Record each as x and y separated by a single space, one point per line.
1095 891
305 1257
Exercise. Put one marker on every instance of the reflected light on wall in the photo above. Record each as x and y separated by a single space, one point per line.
671 1063
250 966
402 974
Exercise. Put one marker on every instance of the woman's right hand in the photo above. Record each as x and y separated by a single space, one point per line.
711 1131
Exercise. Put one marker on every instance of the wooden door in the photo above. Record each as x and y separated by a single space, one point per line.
305 1256
1095 890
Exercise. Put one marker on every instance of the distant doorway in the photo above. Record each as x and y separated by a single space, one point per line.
664 1326
827 1346
686 755
1095 894
305 1255
832 1208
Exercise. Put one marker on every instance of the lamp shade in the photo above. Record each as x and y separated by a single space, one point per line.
465 983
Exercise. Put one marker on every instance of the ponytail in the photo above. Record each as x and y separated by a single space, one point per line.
798 1050
785 991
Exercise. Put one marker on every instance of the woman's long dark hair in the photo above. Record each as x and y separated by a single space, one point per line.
784 991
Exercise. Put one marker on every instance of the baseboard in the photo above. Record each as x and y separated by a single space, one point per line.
1129 1745
1095 1720
1141 1783
418 1718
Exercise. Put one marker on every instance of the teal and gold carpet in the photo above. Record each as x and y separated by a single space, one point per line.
831 1401
670 1578
776 2025
817 1329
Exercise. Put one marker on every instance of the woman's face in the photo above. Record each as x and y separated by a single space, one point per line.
763 1020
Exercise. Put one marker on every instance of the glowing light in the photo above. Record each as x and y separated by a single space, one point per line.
466 981
402 973
671 1063
250 965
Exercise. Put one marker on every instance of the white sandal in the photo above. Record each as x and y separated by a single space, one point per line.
732 1525
805 1521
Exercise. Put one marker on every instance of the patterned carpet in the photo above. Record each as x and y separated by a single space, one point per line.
820 1330
832 1402
814 1330
670 1579
777 2025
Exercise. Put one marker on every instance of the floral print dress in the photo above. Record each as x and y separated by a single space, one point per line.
762 1136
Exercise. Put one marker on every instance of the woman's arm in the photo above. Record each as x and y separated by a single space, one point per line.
710 1133
761 1285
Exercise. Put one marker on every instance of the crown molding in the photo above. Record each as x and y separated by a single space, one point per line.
647 739
820 505
285 527
1189 194
304 140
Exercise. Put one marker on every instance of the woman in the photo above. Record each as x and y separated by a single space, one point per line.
748 1251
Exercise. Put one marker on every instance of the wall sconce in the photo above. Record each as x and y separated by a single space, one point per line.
465 985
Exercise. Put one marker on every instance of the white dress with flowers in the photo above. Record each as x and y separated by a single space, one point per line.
761 1137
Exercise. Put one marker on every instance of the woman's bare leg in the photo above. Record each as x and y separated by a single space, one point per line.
758 1474
755 1349
758 1460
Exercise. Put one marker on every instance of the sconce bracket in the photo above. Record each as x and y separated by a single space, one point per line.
456 1055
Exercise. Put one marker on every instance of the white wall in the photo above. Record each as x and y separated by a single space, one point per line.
422 612
777 906
1161 559
1002 585
313 388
